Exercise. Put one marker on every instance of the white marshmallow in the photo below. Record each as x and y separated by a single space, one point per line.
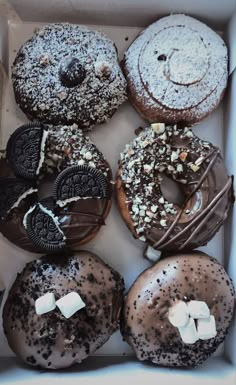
152 254
206 328
45 303
188 332
178 314
70 304
198 309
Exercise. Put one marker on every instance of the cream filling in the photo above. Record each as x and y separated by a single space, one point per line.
48 212
42 152
23 196
73 199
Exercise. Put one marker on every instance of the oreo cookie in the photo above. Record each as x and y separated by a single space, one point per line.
25 150
43 229
72 72
12 190
81 182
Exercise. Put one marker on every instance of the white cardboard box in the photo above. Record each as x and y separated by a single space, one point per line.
114 243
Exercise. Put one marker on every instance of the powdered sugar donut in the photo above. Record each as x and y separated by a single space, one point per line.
68 74
176 70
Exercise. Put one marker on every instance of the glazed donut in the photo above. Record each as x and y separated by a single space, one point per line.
195 165
176 70
74 209
44 327
68 74
179 310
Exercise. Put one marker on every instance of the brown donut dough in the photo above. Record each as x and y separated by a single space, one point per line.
198 169
145 323
50 340
176 70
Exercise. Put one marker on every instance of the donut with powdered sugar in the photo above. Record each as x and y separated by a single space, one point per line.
176 70
68 74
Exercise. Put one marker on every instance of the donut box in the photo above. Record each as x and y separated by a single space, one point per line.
121 21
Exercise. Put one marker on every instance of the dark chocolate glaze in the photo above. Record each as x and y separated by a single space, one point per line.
79 220
50 340
145 324
208 190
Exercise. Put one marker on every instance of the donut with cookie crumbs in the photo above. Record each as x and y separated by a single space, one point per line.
76 201
198 169
67 73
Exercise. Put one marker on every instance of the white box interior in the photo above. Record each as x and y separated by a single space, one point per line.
114 243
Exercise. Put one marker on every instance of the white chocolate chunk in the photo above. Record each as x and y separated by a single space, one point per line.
158 128
206 328
45 303
70 304
178 314
152 254
188 332
198 309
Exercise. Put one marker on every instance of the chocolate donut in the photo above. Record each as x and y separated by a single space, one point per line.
73 211
176 70
68 74
198 169
179 310
60 310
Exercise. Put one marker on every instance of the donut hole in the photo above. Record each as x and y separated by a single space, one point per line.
171 191
162 57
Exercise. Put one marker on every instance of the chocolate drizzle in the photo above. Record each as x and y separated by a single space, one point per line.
201 216
78 220
195 165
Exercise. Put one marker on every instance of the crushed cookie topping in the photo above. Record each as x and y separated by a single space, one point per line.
159 149
68 146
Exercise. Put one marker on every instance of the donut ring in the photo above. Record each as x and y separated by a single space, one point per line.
50 340
146 325
68 74
176 70
196 166
75 208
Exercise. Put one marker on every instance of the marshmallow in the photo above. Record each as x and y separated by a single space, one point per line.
178 314
70 304
188 332
45 303
198 309
152 254
206 328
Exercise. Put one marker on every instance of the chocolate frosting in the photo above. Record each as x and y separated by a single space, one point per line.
50 340
197 167
145 323
79 220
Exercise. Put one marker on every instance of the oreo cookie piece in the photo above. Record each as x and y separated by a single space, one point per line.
72 72
43 229
12 192
80 182
25 149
